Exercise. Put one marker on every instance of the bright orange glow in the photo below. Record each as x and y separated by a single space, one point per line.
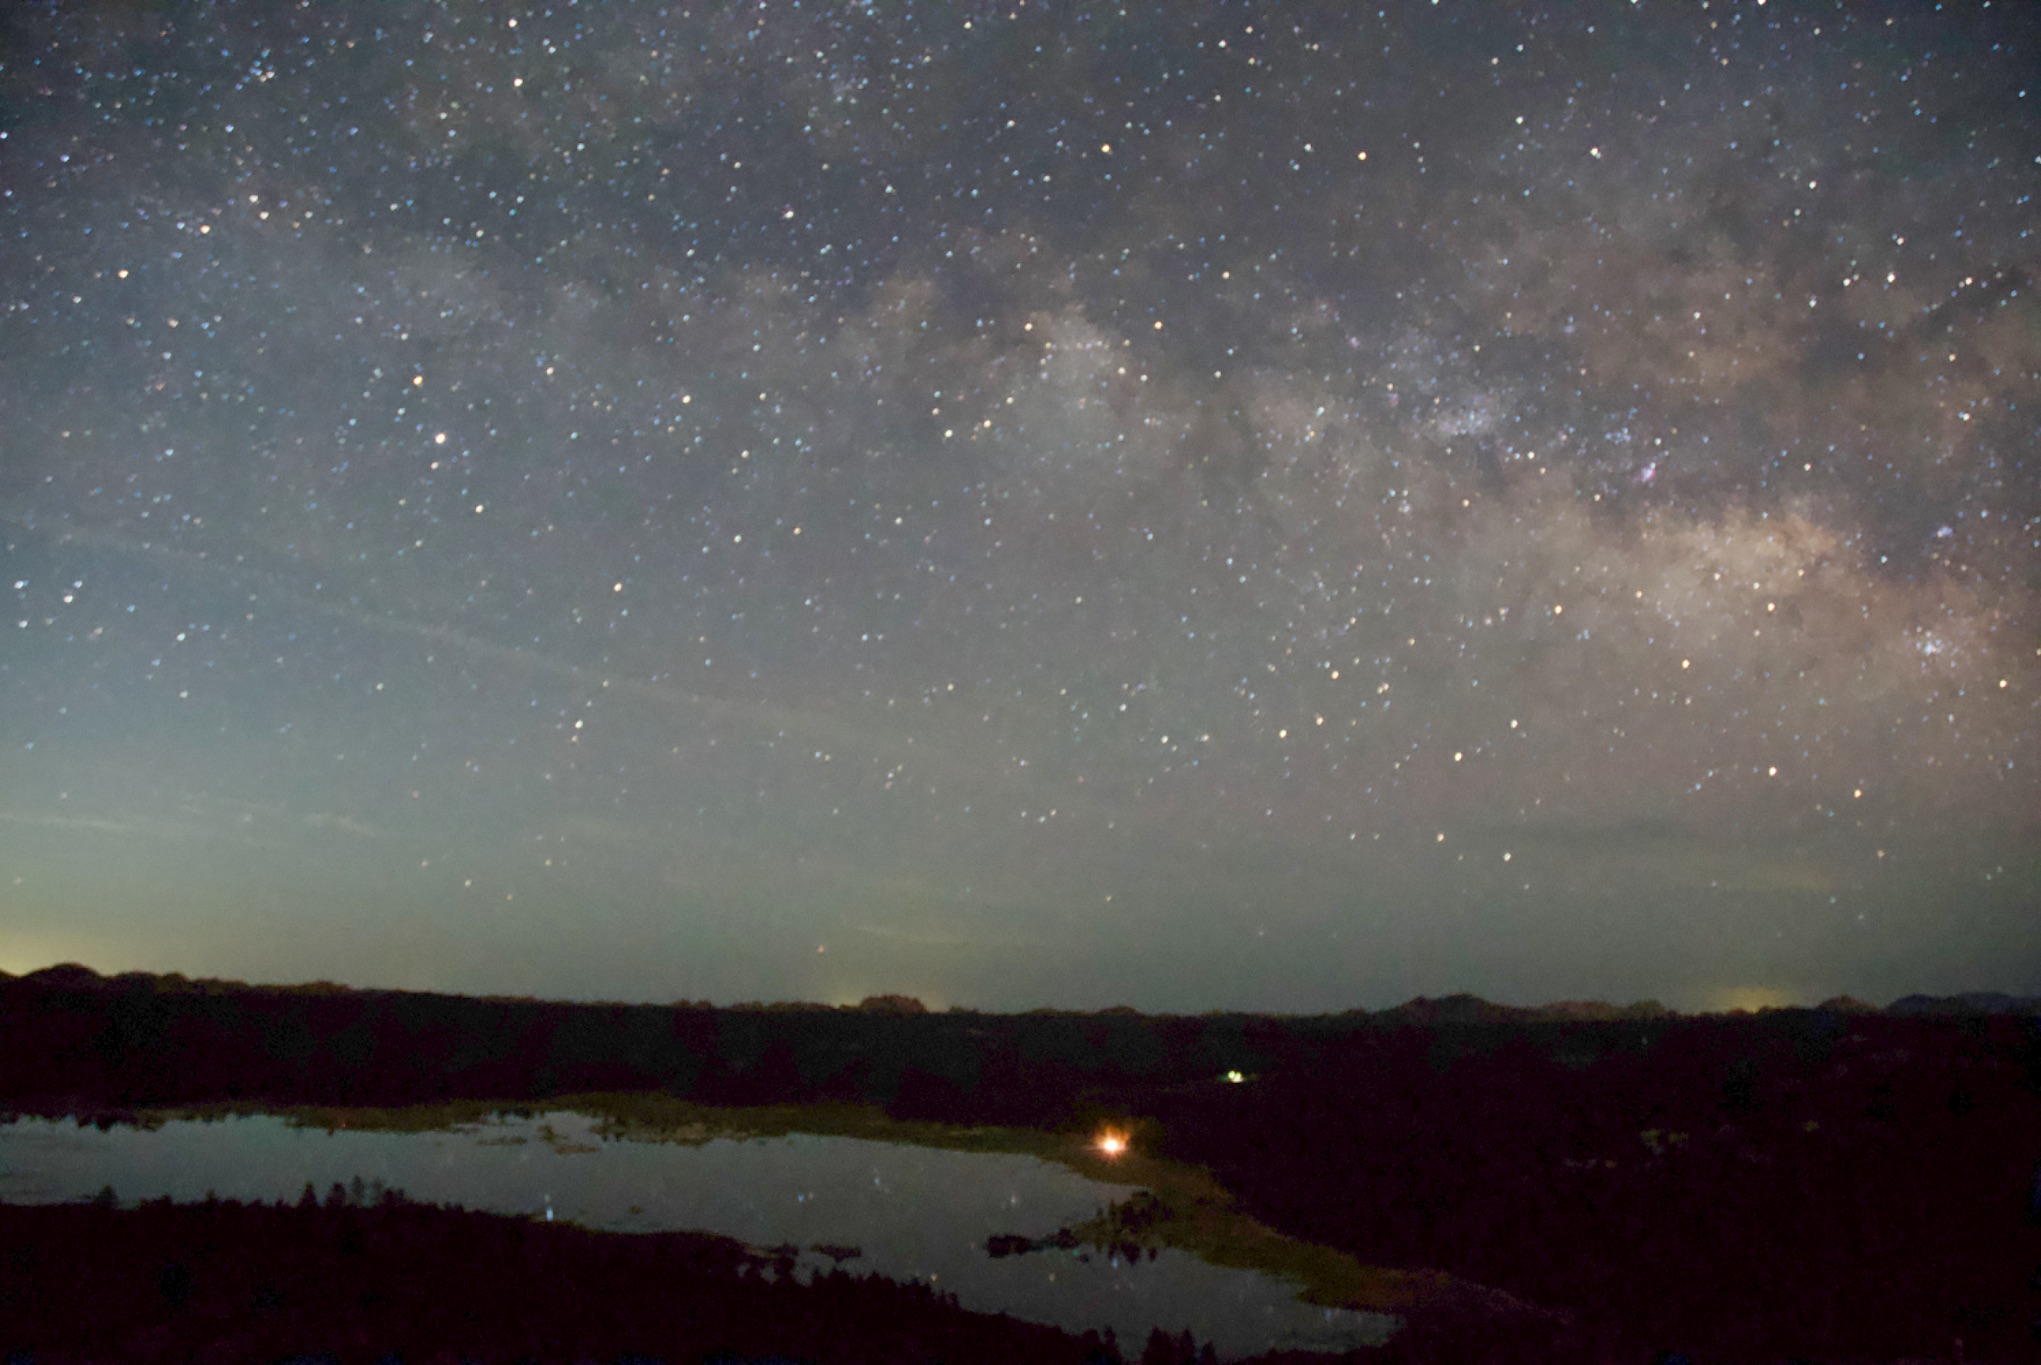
1112 1144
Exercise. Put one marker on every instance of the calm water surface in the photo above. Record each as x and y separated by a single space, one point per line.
913 1213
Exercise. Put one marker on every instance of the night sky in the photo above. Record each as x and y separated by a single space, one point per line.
1192 505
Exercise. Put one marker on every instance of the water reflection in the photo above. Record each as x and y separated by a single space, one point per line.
905 1212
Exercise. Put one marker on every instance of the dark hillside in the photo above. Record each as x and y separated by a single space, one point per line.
1860 1188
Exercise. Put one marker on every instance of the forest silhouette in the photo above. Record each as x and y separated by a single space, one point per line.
1606 1183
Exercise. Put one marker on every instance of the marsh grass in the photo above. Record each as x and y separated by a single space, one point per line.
1181 1206
447 1116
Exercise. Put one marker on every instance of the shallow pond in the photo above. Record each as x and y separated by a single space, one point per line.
911 1213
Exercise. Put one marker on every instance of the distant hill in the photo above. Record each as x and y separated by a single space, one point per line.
65 974
1452 1009
1970 1002
1596 1011
891 1004
76 976
1427 1011
1472 1009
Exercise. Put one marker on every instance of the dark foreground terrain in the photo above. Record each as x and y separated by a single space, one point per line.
1837 1184
245 1282
330 1280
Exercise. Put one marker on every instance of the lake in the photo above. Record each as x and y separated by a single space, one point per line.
910 1212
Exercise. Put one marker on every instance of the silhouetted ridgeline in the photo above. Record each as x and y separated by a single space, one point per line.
1838 1183
71 1038
1970 1002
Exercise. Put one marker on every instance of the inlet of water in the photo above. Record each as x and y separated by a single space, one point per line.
911 1213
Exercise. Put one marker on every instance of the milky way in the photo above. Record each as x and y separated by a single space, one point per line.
1198 505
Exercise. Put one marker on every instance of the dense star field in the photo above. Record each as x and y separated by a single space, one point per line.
1193 505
